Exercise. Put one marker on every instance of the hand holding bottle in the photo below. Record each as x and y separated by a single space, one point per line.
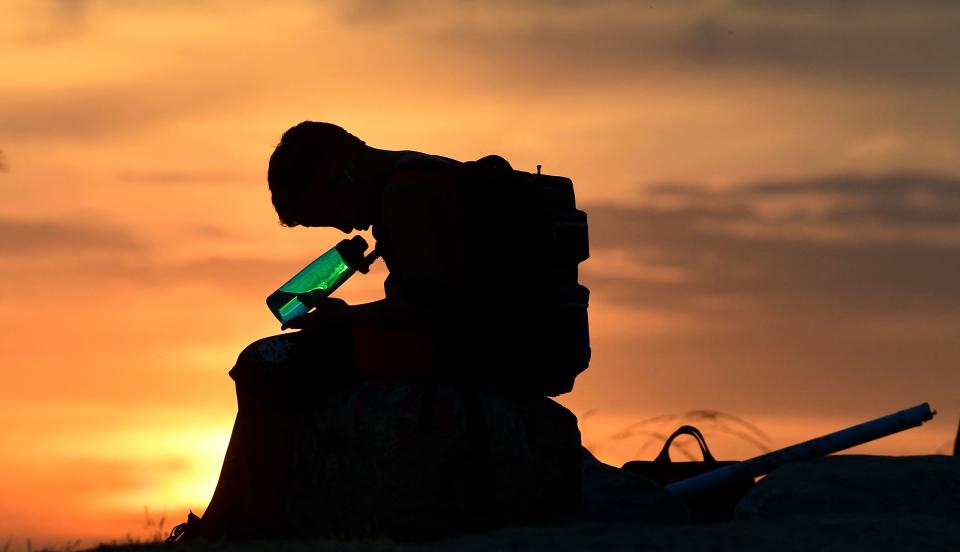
326 311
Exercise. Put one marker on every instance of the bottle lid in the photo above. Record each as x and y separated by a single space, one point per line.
352 251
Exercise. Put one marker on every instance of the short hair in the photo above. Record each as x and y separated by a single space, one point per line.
307 153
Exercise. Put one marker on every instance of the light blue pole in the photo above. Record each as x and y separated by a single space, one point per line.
821 446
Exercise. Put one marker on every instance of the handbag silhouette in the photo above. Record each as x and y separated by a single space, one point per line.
716 505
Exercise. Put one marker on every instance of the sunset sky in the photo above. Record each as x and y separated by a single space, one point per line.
773 190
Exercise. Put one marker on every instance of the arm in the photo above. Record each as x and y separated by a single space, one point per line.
414 215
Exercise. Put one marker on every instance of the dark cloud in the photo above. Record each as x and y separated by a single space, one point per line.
848 40
832 295
234 275
895 200
861 247
42 252
39 253
46 21
209 230
39 238
238 275
164 177
852 40
847 7
95 111
85 113
851 47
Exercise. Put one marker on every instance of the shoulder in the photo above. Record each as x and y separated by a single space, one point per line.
419 186
410 185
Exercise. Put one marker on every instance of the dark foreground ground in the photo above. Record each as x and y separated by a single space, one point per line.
836 503
799 533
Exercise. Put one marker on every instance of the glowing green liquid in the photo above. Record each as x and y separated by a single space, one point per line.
319 278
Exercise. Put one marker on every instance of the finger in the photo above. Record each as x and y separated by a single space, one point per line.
295 323
312 299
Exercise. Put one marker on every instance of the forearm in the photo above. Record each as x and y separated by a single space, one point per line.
391 312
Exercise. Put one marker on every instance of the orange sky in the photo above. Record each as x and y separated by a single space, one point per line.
773 192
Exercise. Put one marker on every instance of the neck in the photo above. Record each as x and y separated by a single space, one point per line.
372 169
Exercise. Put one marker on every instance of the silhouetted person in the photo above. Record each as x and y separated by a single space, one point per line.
320 175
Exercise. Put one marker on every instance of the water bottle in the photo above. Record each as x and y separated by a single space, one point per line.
320 278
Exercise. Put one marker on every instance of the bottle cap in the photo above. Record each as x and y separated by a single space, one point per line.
352 251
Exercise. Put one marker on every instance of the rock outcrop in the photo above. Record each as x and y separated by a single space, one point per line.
861 486
415 461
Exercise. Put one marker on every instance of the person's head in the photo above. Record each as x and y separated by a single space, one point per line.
307 172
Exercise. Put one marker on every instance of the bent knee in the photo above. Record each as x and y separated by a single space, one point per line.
260 356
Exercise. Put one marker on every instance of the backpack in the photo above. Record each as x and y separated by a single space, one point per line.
525 240
525 325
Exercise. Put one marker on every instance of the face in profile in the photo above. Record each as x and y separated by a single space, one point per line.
333 204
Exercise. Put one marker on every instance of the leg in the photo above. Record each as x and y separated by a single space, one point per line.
276 377
224 509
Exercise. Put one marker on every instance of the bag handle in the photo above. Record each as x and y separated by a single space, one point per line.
664 456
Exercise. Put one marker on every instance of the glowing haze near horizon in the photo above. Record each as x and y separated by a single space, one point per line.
773 191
